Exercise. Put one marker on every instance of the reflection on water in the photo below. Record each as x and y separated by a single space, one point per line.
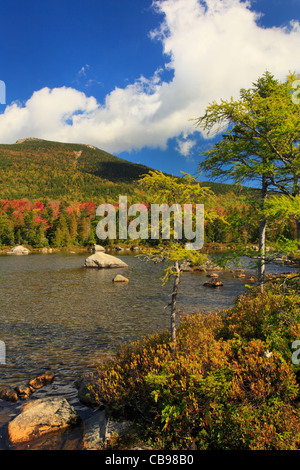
55 313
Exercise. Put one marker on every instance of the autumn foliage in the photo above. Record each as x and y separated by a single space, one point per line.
230 383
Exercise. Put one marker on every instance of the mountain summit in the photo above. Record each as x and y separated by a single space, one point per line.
34 168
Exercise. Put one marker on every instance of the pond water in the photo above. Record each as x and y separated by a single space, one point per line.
56 314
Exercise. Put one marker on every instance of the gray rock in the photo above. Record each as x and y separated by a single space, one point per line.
185 267
41 417
102 261
94 430
115 429
85 394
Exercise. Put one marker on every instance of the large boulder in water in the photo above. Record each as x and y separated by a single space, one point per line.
102 260
18 250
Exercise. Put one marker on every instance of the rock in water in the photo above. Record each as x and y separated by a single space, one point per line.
23 390
120 278
44 378
102 260
41 417
97 248
18 250
213 283
8 393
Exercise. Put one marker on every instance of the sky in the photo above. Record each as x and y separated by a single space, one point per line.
132 76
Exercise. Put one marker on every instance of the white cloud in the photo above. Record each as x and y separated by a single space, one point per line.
214 47
184 147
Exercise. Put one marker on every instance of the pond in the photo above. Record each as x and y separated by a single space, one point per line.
56 314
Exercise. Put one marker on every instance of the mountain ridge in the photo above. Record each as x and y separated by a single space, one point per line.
33 167
36 168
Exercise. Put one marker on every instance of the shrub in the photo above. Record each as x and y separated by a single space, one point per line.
271 317
221 388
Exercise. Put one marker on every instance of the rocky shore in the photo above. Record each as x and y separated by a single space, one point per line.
43 420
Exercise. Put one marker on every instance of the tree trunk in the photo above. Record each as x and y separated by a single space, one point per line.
173 302
262 239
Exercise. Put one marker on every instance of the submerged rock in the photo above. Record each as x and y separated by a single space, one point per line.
44 378
213 283
103 261
41 417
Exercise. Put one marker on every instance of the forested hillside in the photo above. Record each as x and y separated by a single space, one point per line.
36 168
49 192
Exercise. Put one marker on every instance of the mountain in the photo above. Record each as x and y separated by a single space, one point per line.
35 168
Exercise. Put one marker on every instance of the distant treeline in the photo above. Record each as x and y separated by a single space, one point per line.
53 223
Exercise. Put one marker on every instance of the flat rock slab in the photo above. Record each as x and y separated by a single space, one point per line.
40 417
103 261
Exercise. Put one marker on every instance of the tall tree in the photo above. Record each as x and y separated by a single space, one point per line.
260 142
170 190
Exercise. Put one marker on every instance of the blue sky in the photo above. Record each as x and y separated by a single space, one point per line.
128 76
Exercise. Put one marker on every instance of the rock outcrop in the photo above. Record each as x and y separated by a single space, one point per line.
104 261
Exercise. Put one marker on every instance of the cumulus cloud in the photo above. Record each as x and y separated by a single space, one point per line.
213 47
184 147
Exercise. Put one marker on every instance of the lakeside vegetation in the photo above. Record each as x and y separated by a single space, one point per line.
55 223
229 384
